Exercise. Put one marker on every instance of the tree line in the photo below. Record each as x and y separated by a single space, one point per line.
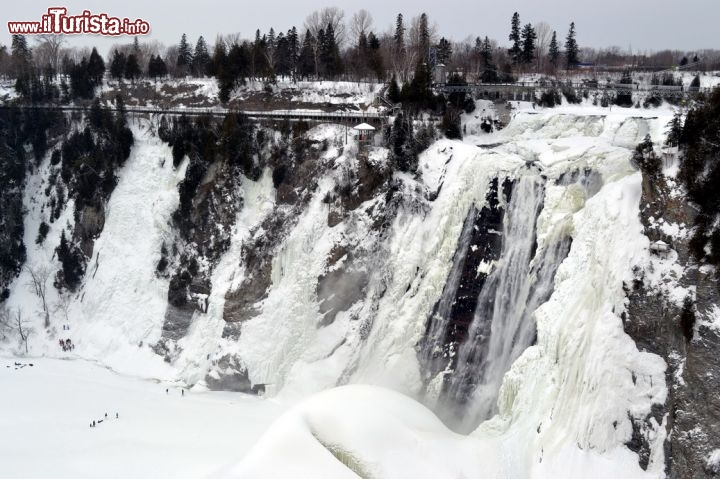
325 47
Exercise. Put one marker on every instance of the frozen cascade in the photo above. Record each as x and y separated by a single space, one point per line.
433 347
503 325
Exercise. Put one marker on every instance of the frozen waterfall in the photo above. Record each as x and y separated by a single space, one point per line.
503 325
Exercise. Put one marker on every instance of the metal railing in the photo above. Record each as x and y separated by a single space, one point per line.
217 111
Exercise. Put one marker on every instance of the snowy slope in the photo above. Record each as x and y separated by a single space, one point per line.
118 311
48 409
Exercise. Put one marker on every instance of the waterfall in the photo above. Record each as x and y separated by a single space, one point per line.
433 350
503 326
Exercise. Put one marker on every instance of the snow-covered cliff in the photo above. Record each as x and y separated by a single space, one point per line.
489 287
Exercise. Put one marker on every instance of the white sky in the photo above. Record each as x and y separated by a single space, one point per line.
640 24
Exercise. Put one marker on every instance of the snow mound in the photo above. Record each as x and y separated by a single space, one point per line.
369 432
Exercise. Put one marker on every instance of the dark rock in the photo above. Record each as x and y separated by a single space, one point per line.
229 374
485 244
693 374
340 287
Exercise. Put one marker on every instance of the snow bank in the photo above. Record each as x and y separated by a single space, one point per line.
47 410
365 431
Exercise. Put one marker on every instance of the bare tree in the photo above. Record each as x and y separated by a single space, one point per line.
39 276
63 306
543 32
319 20
52 44
360 23
21 326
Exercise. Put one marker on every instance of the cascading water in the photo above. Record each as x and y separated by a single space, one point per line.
502 326
438 329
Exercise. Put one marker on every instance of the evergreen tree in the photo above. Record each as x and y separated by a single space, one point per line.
282 55
695 84
424 39
528 44
443 51
645 159
184 59
399 35
515 50
19 49
96 67
571 48
684 61
81 82
132 68
117 65
376 58
218 59
161 66
675 130
72 261
554 50
451 123
20 56
157 67
489 74
329 53
393 92
201 58
293 48
306 62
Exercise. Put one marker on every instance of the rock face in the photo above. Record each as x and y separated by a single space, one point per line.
677 330
230 375
294 189
480 243
202 238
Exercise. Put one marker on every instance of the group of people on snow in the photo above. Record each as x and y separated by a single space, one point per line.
99 421
67 344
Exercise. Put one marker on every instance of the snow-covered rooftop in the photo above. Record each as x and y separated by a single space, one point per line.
364 127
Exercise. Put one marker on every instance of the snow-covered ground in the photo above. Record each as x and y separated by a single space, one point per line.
203 92
336 92
46 411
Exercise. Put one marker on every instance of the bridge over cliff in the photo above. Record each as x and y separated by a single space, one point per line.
527 90
350 116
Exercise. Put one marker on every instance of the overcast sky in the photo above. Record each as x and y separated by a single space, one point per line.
641 24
